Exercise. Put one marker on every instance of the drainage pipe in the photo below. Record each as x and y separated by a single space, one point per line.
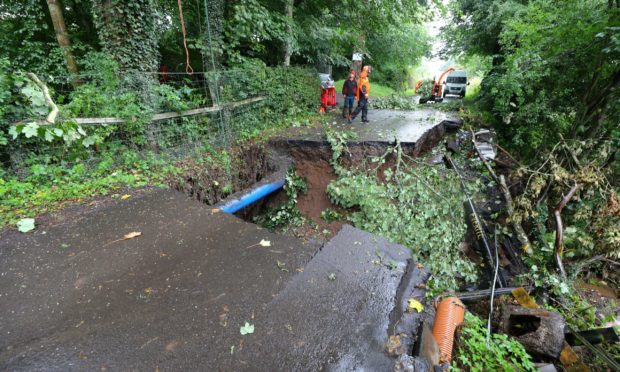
252 196
450 314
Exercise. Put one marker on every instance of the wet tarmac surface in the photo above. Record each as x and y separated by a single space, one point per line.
408 127
75 297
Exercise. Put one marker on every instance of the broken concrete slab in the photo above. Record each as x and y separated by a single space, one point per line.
74 297
339 312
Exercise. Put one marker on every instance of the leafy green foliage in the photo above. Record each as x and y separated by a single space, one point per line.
49 185
409 203
330 215
27 36
502 353
394 102
393 50
426 89
552 94
127 30
376 89
545 81
286 214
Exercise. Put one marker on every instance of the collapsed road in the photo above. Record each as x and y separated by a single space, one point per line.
164 282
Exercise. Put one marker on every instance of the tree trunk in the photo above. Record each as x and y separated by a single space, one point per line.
288 47
55 9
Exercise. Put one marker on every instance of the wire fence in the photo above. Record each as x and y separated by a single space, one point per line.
163 115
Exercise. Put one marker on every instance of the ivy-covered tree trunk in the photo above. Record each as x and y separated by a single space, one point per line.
288 47
58 20
127 31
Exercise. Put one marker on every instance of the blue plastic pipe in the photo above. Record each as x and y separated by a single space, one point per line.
252 196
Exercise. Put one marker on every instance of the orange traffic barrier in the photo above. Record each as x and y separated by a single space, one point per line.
450 314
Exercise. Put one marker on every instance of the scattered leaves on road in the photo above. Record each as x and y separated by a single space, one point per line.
413 304
262 243
331 276
246 329
126 196
25 224
281 265
131 235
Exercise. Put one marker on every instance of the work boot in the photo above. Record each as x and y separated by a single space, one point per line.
344 112
350 119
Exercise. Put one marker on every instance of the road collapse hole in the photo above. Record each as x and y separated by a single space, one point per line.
217 174
307 211
302 207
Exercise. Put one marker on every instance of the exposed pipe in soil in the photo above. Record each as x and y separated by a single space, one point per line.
450 314
477 224
252 196
469 297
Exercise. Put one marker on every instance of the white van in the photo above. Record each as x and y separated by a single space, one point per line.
456 83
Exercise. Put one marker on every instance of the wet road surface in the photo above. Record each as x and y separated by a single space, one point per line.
409 127
75 297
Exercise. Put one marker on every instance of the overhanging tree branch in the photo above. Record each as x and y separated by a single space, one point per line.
51 116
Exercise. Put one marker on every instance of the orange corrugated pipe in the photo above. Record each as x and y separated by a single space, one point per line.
450 314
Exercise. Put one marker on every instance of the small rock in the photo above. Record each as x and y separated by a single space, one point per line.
437 159
453 146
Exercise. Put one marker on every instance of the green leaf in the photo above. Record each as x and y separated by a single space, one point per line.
88 141
247 329
25 224
15 130
30 130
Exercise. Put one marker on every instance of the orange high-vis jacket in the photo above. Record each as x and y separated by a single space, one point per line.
363 85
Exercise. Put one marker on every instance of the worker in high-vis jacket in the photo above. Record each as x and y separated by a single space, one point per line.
363 92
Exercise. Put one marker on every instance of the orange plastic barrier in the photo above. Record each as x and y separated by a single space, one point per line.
328 97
